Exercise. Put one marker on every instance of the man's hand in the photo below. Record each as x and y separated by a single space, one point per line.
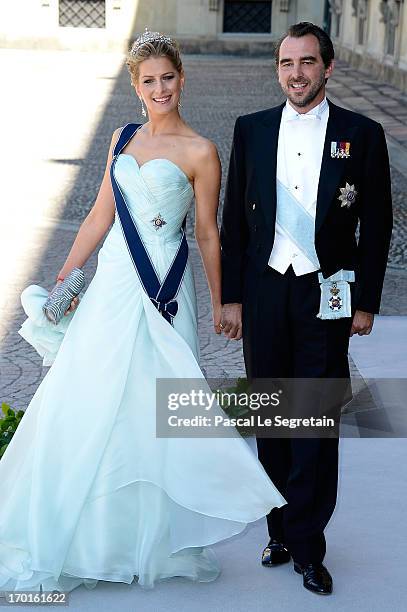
231 321
362 323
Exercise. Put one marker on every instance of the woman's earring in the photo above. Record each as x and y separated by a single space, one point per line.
179 101
143 110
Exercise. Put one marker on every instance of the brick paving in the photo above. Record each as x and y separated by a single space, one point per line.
76 102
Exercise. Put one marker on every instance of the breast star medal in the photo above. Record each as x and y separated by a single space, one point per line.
158 222
335 301
348 195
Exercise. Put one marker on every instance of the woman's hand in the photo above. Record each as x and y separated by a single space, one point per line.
73 305
217 316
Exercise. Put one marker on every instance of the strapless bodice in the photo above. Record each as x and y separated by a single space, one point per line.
158 195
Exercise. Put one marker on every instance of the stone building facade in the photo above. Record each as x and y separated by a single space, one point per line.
201 25
372 36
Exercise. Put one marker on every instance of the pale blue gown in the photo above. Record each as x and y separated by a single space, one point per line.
88 492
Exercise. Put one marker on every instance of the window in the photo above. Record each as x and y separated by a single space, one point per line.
390 10
247 16
391 39
361 30
82 13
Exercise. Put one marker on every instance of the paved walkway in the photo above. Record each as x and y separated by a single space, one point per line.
61 110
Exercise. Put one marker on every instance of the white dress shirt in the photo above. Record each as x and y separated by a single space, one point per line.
299 156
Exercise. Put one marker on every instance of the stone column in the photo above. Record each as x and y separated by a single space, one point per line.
336 7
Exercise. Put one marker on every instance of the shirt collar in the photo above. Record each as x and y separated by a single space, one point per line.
315 113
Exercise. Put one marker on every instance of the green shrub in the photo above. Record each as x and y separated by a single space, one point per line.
8 425
233 410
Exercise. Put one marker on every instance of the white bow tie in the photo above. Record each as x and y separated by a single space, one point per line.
305 116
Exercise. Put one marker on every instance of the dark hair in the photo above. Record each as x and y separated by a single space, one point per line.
302 29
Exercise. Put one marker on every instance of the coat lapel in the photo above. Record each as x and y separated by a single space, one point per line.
266 162
332 169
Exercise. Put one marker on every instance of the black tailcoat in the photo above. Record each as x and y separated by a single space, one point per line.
249 213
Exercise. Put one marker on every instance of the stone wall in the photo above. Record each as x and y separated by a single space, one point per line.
372 36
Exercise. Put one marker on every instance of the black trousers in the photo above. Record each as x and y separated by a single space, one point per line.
283 338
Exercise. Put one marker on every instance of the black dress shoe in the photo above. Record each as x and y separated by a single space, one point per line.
316 577
275 553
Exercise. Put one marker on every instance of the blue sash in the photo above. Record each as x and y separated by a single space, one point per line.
162 295
297 222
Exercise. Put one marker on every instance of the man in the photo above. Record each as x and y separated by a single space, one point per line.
301 177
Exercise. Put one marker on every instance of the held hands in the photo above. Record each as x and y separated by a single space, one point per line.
362 323
230 322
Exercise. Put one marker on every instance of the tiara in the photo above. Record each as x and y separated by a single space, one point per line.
148 37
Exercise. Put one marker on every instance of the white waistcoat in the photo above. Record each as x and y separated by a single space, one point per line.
299 156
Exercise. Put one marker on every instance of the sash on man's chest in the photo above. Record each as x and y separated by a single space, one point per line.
296 222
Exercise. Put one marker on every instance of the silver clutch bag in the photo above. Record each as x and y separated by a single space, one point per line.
62 295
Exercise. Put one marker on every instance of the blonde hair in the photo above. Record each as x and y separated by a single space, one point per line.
155 48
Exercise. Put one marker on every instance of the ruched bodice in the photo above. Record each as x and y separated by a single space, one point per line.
158 189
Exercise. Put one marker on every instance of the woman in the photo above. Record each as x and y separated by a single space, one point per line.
88 491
